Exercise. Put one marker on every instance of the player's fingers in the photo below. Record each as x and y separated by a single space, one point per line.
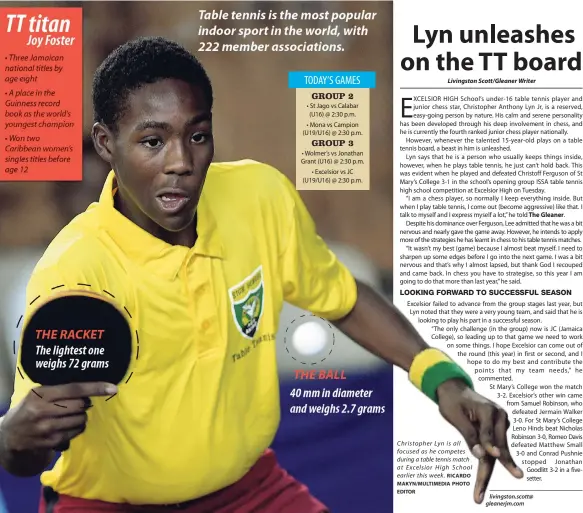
73 433
486 417
60 440
71 422
459 420
501 441
65 407
50 426
485 469
76 391
62 447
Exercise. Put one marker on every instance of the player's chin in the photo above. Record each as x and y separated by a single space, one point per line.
176 222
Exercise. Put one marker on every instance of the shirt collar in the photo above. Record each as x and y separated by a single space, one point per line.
143 248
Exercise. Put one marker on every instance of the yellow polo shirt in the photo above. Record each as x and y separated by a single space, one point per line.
203 401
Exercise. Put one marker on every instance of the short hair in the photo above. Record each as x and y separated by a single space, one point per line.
138 62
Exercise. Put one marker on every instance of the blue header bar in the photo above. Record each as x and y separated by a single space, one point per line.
331 79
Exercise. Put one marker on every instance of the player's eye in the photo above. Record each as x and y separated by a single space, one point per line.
152 143
199 137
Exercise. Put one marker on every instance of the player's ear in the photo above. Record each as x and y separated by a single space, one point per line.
103 141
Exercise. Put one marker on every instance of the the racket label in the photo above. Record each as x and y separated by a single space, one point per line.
76 338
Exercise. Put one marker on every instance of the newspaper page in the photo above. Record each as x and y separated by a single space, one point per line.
488 180
228 397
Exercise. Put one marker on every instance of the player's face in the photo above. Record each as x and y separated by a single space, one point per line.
161 153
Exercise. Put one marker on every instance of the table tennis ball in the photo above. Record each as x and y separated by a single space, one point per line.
309 338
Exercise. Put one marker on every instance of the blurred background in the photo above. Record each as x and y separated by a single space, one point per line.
345 460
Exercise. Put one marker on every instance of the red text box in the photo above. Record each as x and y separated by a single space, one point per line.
41 114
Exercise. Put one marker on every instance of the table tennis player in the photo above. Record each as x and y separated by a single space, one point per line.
202 255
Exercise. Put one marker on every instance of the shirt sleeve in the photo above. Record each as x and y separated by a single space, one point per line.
50 278
313 277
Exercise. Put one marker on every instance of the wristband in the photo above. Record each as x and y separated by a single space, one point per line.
431 368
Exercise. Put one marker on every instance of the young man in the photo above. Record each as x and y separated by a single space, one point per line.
192 429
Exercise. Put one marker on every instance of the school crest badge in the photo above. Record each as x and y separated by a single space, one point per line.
247 303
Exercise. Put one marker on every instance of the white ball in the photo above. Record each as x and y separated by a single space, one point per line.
309 338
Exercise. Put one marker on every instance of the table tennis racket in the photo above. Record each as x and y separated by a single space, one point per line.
76 337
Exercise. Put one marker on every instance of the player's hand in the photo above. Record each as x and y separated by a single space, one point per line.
483 425
49 417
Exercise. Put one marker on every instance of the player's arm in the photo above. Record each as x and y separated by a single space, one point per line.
379 327
314 279
42 420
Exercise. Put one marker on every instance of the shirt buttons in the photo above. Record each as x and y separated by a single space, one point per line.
206 325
